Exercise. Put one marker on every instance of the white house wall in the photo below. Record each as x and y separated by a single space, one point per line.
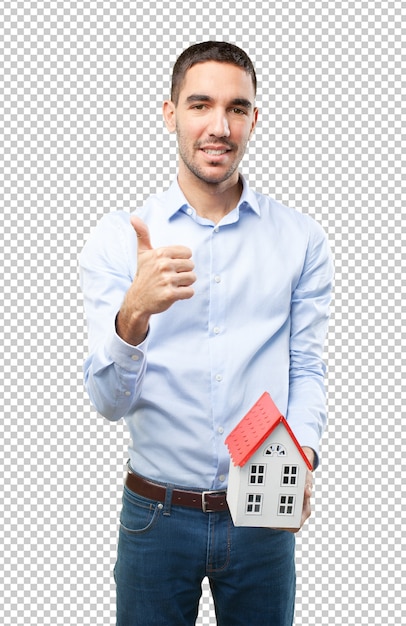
239 485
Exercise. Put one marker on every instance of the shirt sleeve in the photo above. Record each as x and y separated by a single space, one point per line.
113 370
309 319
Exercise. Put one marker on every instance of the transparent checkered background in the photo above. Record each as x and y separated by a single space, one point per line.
81 135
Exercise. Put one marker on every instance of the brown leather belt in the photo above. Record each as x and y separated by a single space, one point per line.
206 501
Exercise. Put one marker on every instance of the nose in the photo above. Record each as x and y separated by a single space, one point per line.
219 124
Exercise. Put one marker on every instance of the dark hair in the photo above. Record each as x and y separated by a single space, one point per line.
219 51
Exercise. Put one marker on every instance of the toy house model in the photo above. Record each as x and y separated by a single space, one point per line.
267 469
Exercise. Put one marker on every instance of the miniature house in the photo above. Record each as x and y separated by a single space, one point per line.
267 469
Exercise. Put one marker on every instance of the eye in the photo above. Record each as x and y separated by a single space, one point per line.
238 111
199 107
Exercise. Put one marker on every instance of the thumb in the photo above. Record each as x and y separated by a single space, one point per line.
142 232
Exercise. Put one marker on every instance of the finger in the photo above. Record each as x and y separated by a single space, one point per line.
309 489
174 252
185 279
184 293
182 264
142 232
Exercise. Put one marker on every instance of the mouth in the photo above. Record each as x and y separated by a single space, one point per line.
217 152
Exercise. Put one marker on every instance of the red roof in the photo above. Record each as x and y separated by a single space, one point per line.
254 428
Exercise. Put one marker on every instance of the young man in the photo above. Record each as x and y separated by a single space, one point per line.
197 303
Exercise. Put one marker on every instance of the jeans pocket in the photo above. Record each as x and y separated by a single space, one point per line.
138 515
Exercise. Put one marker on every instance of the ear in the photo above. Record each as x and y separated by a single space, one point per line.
254 121
169 113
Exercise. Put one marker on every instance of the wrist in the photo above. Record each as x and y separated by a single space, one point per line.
132 328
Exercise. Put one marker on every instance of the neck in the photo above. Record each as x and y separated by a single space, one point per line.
212 200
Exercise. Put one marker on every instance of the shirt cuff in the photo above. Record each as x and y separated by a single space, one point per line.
125 355
315 447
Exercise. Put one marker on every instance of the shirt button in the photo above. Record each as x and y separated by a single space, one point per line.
189 211
135 357
216 229
222 478
219 378
217 279
220 430
127 393
216 330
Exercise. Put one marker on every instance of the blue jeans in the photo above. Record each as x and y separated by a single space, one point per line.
165 551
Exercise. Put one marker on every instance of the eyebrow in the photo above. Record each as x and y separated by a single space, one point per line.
242 102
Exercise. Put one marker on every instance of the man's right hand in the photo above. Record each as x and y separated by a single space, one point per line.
164 275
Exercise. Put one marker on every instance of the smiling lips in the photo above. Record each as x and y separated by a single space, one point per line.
215 151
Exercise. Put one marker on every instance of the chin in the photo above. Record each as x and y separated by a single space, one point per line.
215 176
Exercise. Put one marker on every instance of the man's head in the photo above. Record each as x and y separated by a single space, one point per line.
219 51
212 111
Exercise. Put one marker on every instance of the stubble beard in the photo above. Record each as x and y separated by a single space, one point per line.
196 170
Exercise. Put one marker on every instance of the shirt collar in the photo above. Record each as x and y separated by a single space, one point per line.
175 201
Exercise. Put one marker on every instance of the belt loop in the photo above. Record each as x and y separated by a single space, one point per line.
168 500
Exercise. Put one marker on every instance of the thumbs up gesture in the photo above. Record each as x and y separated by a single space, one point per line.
164 275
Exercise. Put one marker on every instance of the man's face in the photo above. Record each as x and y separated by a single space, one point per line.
214 119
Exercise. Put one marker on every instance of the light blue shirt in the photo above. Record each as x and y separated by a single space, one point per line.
256 323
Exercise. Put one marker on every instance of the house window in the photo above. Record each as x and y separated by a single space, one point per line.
286 505
275 449
254 504
290 474
257 475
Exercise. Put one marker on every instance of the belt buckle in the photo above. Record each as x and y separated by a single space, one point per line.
205 508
